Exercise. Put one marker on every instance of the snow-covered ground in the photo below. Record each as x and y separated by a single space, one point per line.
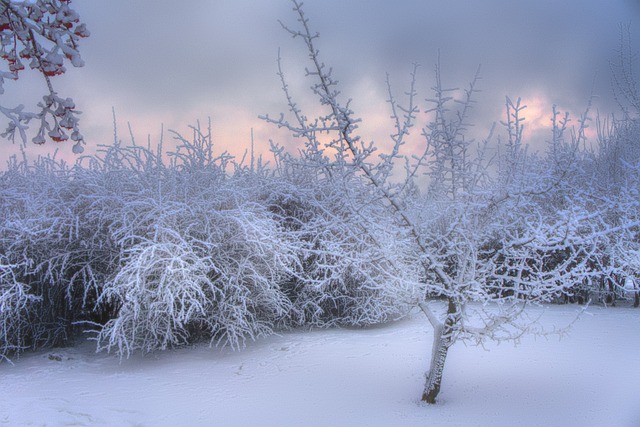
346 377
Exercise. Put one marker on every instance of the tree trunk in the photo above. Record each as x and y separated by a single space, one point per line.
443 338
636 299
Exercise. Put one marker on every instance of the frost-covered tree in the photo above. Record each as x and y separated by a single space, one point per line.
42 35
608 177
482 248
616 166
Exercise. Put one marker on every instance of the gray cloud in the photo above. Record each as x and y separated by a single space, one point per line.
158 61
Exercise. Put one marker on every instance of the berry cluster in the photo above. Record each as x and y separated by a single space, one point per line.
44 34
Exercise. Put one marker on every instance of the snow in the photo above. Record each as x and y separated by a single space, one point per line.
343 377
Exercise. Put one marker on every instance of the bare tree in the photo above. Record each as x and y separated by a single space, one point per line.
484 247
44 34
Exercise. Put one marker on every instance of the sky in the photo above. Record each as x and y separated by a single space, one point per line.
160 64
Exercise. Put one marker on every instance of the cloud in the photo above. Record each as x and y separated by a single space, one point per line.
161 62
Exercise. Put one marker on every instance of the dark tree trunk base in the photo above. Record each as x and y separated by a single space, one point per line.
443 339
431 396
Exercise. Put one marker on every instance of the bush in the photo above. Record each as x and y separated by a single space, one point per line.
151 250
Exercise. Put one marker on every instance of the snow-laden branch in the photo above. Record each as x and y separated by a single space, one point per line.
46 34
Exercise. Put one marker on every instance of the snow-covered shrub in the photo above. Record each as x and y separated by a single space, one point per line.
16 308
201 254
41 239
344 255
199 272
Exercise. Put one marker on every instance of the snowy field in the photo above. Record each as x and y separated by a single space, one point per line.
346 377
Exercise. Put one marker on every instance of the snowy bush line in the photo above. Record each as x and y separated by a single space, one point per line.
150 250
147 250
